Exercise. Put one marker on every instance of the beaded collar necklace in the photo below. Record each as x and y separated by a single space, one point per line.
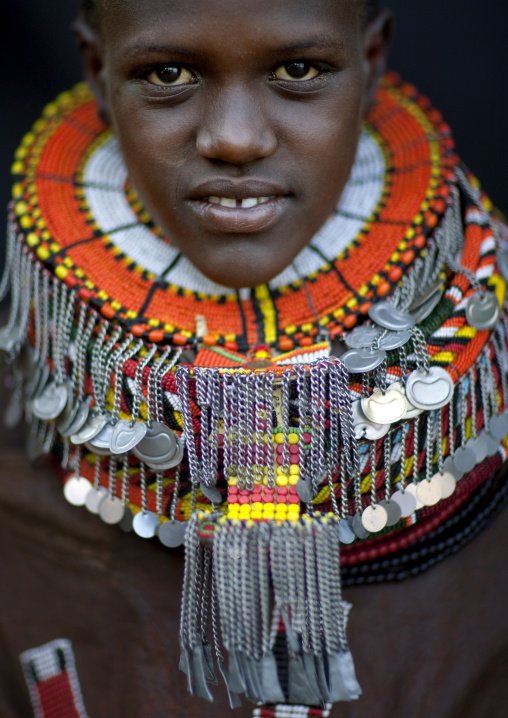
182 410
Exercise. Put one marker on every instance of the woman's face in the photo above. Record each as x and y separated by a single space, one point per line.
238 119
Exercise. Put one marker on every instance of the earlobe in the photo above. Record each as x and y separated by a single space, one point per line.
90 47
377 40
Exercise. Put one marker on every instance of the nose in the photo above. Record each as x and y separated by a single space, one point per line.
235 129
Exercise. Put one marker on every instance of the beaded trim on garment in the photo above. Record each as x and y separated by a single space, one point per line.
268 448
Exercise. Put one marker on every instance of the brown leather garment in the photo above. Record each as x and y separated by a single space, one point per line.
434 646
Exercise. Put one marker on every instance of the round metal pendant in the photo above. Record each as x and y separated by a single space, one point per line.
479 447
94 498
53 400
358 527
82 412
101 441
358 361
491 443
429 390
384 408
159 444
406 501
76 490
126 435
127 521
145 524
393 511
412 490
305 490
447 482
464 459
346 533
386 315
365 429
111 510
482 310
429 492
498 426
212 493
172 533
374 518
94 423
394 340
362 337
450 468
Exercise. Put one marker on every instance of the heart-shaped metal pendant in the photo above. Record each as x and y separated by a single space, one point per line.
53 400
100 443
82 412
94 423
411 411
365 429
386 315
482 310
358 361
159 444
384 408
427 301
126 435
429 390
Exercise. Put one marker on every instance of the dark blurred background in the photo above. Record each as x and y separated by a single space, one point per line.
455 51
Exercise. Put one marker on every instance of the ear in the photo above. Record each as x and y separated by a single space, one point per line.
90 47
376 43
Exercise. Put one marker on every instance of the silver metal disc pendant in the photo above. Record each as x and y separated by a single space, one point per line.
53 400
68 415
374 518
358 361
412 490
365 429
145 524
384 408
429 492
212 493
498 426
76 490
447 482
406 501
100 442
393 511
346 533
358 527
305 490
363 338
388 316
82 412
491 443
127 521
479 447
126 435
464 459
411 411
429 390
172 533
111 510
482 310
94 498
424 305
450 468
158 445
94 423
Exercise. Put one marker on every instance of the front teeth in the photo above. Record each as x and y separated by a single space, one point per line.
239 203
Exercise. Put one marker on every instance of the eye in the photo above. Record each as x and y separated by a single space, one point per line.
171 76
296 71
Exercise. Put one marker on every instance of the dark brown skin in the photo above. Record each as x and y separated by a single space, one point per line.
251 98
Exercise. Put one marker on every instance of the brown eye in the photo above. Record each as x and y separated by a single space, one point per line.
296 71
171 75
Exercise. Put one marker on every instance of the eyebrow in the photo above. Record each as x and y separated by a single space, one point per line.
318 42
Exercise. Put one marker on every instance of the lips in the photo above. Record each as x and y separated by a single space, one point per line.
235 207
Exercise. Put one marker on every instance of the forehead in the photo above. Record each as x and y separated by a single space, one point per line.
248 23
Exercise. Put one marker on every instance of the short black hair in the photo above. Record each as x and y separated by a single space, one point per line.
90 11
